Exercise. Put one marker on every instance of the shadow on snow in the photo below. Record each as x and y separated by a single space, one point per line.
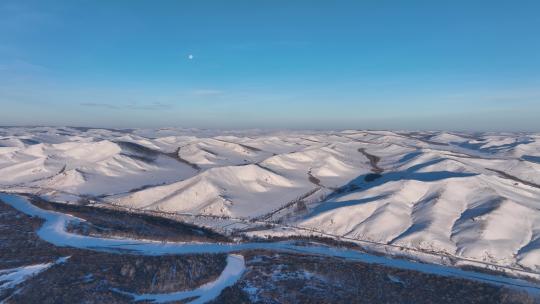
367 181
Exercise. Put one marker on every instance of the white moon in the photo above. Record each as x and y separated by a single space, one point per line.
190 56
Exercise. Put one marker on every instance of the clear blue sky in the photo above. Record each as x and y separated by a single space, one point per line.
459 65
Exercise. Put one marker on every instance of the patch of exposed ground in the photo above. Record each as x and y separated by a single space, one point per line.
19 244
291 278
88 276
91 277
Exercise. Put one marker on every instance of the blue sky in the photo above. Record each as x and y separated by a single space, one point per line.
457 65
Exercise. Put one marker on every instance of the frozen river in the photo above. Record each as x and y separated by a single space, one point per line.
54 231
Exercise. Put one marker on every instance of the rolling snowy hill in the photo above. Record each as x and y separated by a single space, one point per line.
469 195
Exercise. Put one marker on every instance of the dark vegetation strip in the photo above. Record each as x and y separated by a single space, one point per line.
176 155
146 154
422 138
298 201
208 151
267 169
373 161
253 149
511 177
313 179
116 222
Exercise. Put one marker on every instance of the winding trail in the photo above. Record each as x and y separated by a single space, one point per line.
54 231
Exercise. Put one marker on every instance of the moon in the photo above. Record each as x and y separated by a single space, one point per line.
190 56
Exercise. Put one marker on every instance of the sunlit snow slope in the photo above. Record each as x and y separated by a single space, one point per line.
470 195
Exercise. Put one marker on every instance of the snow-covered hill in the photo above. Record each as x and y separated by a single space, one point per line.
470 195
